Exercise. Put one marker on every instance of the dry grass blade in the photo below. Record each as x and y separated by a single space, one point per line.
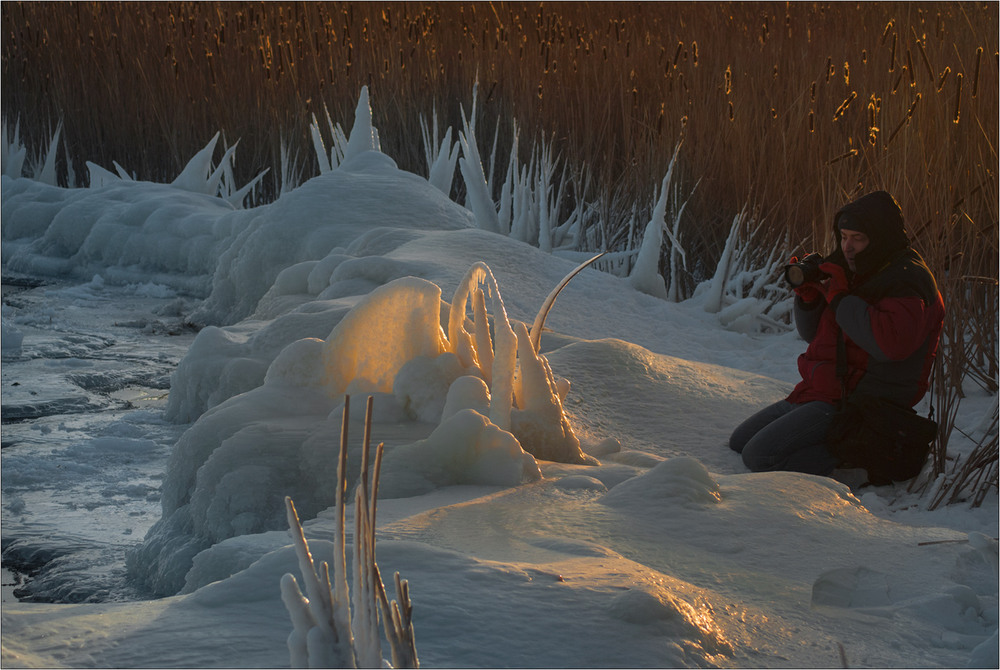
346 641
976 476
398 631
550 300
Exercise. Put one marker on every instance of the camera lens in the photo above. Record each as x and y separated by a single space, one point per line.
795 275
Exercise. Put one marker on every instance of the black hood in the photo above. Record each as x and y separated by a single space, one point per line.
878 216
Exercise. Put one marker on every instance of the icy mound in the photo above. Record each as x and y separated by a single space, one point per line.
127 231
308 299
698 588
180 235
679 480
495 399
326 214
465 448
660 402
297 268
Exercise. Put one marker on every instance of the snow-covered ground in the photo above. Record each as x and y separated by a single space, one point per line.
635 539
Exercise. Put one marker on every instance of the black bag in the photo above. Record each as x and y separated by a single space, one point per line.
889 441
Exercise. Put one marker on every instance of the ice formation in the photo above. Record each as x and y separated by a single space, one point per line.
494 398
182 236
391 326
153 233
321 218
645 275
478 197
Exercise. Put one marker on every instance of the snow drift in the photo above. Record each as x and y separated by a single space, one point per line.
539 525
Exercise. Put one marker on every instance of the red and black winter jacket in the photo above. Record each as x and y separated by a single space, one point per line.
891 321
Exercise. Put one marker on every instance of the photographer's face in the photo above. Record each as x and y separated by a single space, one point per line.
852 243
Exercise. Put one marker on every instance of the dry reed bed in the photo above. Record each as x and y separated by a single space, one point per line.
790 109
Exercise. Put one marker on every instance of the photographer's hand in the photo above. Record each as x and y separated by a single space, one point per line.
809 292
837 285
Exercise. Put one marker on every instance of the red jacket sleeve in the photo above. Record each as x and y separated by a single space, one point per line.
899 325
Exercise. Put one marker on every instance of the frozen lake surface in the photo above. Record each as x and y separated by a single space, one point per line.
84 440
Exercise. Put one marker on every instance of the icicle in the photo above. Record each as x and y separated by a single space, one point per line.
322 157
339 590
442 170
521 226
478 198
364 136
441 155
302 621
507 189
71 180
429 137
404 649
484 341
47 173
645 275
321 638
540 425
122 172
100 177
214 182
542 199
545 204
291 174
13 152
505 342
227 183
367 645
677 255
490 183
236 199
194 176
338 143
713 302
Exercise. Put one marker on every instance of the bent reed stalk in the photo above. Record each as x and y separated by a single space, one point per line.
787 110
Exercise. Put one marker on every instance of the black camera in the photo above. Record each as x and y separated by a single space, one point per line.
805 271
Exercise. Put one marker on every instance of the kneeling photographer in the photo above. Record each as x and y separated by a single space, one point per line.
872 315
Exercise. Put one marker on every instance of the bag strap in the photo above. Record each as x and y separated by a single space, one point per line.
930 392
841 365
